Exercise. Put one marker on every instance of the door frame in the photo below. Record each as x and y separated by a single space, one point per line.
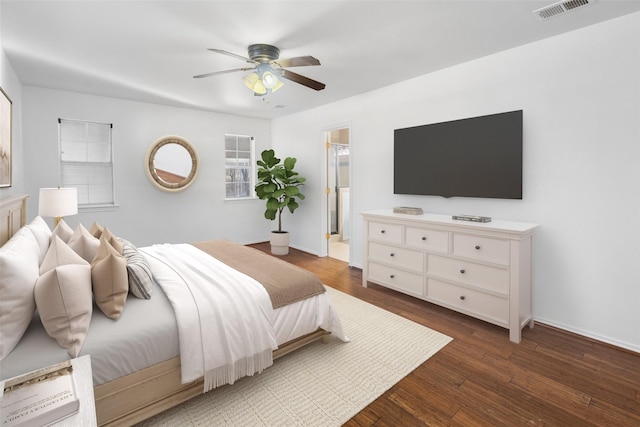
325 223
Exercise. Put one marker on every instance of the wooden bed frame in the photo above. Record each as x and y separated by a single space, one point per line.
142 394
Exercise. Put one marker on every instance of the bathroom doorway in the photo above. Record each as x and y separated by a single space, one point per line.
337 189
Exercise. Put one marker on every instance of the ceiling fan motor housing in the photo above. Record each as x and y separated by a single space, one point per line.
263 52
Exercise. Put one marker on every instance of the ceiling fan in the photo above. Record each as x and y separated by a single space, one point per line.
268 69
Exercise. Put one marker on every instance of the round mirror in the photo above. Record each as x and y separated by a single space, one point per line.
171 163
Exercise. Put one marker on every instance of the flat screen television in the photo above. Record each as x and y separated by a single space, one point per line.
473 157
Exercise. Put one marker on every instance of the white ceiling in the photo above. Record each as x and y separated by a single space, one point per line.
149 51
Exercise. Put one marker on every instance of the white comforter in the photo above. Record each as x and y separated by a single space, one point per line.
225 318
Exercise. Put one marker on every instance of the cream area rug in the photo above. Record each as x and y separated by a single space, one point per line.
322 384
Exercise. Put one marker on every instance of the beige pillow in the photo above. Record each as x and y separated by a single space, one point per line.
42 233
19 260
64 300
109 278
84 243
63 296
63 231
59 253
96 230
113 240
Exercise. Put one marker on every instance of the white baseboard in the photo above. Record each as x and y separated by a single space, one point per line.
604 339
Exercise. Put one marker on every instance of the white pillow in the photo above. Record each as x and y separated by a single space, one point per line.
63 231
42 233
84 243
59 253
19 261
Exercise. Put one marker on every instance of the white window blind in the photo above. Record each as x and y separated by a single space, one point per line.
86 161
240 169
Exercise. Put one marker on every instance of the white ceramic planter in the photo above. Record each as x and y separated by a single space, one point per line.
279 243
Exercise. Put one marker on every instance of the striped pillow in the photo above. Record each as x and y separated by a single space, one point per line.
139 271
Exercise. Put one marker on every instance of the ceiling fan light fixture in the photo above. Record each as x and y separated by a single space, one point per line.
250 80
259 88
269 79
264 80
269 72
253 82
277 86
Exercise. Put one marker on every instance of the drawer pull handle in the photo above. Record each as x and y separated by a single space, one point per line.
382 231
424 238
392 276
462 297
462 271
392 254
478 247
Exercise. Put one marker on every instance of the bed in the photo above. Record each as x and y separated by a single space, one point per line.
137 366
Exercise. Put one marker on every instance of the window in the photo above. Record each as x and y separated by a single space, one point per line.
240 169
86 161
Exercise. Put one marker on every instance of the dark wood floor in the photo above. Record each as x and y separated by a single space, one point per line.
552 378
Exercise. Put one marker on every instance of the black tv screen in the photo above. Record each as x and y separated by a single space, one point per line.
473 157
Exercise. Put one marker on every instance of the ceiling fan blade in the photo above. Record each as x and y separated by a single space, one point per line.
299 61
233 55
215 73
305 81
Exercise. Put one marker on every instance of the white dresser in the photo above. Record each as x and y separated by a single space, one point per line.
480 269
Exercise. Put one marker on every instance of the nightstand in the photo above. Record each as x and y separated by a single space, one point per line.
86 415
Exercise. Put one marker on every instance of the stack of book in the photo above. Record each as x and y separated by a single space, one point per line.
41 397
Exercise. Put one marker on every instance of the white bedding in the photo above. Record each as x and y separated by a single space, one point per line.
146 334
225 318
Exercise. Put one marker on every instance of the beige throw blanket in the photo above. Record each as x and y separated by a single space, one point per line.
284 282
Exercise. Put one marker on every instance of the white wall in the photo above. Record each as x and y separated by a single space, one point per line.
146 214
13 88
580 93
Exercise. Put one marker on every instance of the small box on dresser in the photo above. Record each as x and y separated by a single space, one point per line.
484 270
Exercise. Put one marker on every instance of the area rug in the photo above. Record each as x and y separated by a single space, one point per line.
323 384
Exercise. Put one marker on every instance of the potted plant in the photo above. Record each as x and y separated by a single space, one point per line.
278 184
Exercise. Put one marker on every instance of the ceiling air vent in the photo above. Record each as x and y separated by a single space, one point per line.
561 7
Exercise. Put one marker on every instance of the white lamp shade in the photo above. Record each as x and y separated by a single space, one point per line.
57 202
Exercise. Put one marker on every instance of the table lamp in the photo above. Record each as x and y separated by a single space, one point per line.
57 203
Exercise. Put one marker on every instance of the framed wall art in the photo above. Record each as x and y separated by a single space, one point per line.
5 139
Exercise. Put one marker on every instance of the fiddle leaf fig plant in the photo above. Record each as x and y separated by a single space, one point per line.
278 184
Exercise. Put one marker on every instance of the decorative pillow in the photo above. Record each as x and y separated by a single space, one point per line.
63 231
109 278
64 300
42 233
96 230
84 243
138 271
19 260
113 240
59 253
63 296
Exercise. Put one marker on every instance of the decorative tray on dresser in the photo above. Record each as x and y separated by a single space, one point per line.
482 269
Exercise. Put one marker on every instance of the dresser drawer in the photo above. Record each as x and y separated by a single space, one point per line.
397 256
493 279
381 231
481 248
429 240
488 307
397 279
